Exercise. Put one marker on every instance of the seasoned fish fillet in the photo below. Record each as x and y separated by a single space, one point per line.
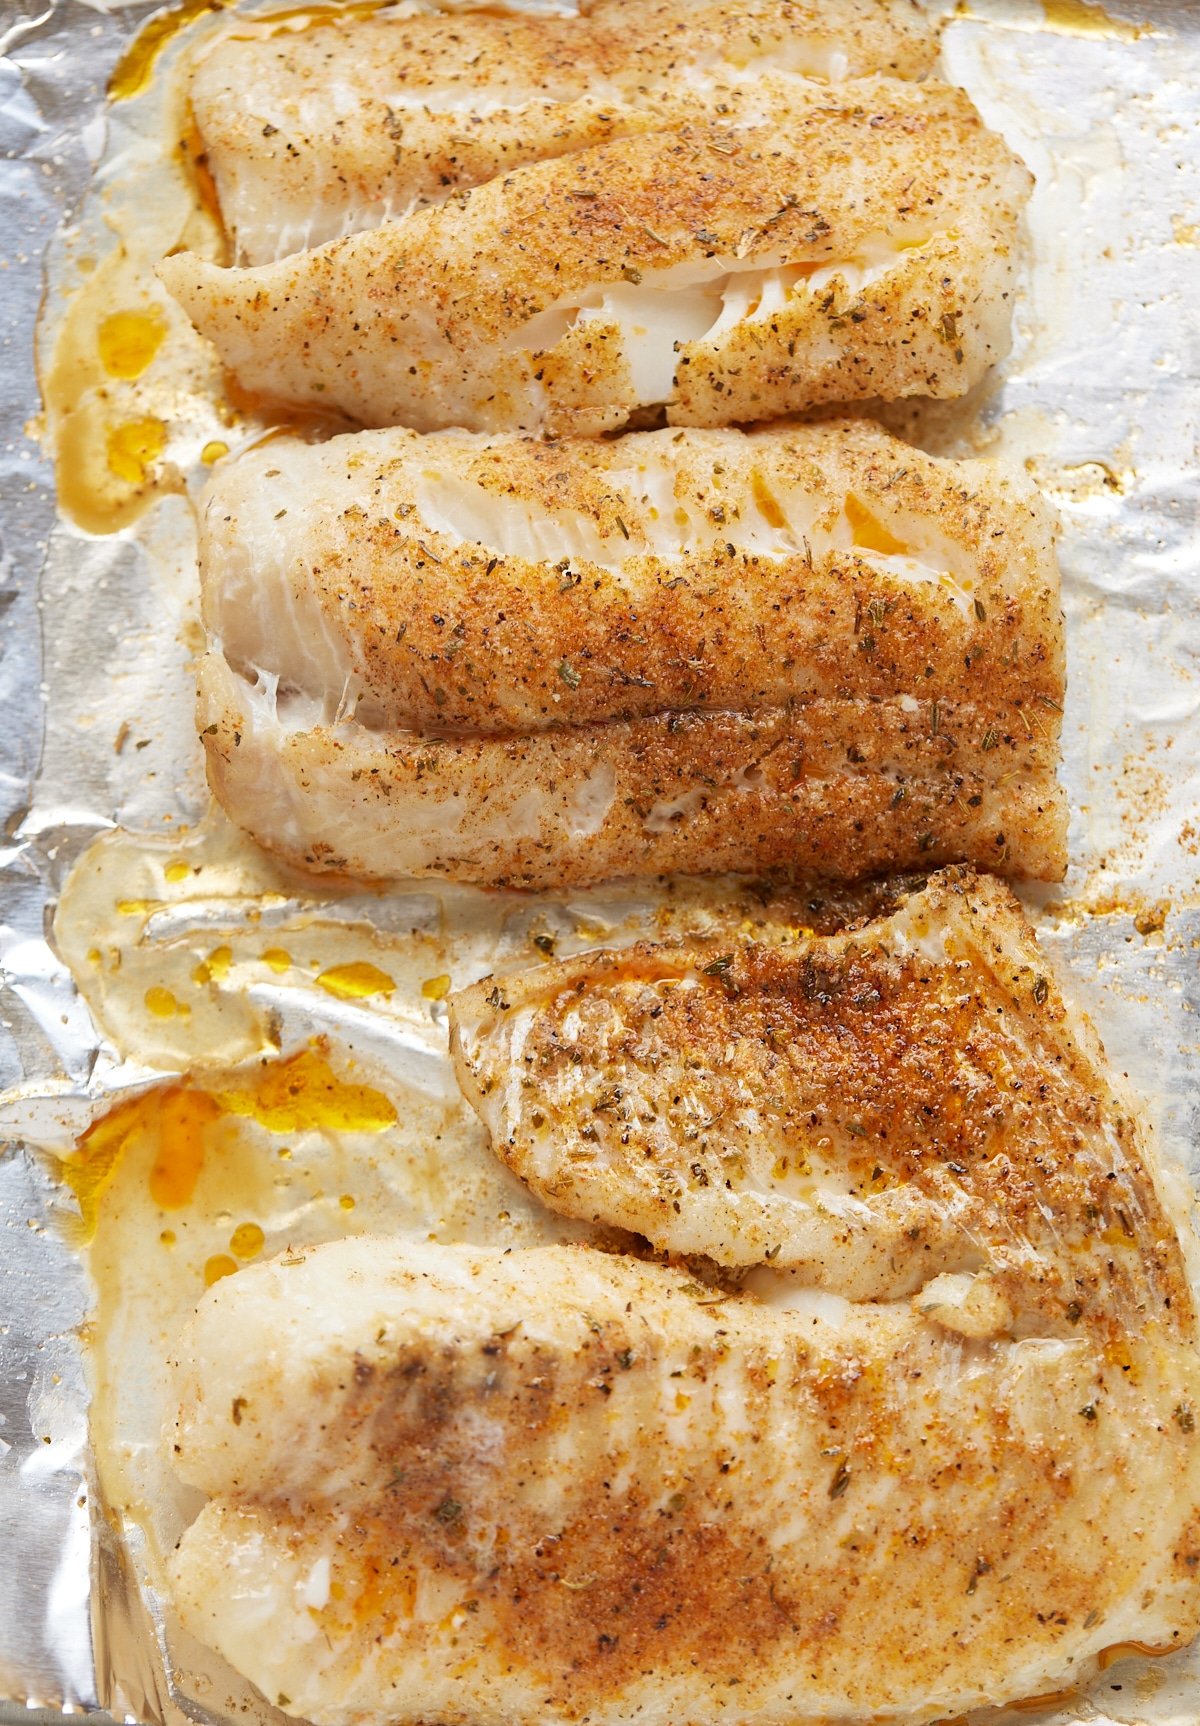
314 133
820 245
554 1485
821 1102
529 664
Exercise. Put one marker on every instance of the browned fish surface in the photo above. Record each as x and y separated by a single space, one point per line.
907 1101
319 131
818 245
812 649
555 1485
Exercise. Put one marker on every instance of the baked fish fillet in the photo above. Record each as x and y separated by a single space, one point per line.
317 132
823 245
820 1103
555 1485
532 664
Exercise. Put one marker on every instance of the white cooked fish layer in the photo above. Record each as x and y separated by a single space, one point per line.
475 1487
313 132
810 245
511 661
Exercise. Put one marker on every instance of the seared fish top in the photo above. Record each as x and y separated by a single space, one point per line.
821 244
317 132
556 1485
512 661
466 584
907 1101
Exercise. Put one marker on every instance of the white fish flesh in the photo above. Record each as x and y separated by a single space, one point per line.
821 245
821 1102
319 130
527 664
504 1489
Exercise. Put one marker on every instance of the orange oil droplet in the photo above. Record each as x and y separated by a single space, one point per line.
1051 1699
138 907
436 988
767 502
1119 1355
246 1240
213 452
218 962
102 466
131 74
1086 18
1126 1650
218 1266
179 870
134 447
94 1163
378 1599
277 959
183 1116
128 341
355 982
194 159
161 1002
304 1092
869 532
346 1201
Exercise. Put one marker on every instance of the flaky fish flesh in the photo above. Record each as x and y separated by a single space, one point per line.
820 1103
321 131
531 664
821 245
557 1485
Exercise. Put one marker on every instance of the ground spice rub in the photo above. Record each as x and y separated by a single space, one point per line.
529 664
314 132
824 244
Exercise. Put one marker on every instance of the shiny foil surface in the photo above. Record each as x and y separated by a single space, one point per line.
1099 401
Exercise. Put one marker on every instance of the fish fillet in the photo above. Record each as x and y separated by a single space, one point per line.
495 1489
318 132
529 664
821 1102
825 245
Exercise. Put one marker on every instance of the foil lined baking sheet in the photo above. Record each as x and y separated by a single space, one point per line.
1099 401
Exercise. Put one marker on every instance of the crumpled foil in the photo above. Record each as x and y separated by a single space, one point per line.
1099 401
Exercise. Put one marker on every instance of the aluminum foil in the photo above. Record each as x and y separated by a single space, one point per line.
1099 401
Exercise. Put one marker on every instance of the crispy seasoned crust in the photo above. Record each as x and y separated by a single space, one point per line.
557 1485
833 245
788 790
823 1102
811 649
317 132
472 585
